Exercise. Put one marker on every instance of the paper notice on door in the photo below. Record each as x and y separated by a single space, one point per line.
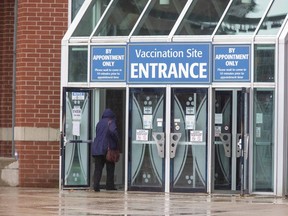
196 136
217 131
76 113
147 121
159 122
259 118
218 118
190 122
142 135
258 132
76 128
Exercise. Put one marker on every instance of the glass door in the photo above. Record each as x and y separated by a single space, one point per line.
229 120
149 139
188 139
146 139
76 138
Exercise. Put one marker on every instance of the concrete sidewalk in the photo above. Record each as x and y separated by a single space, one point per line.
42 202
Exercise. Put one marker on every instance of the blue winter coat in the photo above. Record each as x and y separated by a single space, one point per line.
106 133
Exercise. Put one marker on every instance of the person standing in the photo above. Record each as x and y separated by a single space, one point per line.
106 135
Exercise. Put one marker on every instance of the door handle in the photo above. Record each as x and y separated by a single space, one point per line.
226 141
239 145
159 139
174 140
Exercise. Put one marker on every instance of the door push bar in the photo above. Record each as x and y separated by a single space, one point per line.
159 139
174 140
75 141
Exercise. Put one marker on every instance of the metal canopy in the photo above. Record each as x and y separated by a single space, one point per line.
171 18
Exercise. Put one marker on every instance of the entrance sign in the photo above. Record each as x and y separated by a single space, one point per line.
108 63
232 63
169 63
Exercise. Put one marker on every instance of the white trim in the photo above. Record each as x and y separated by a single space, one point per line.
167 139
126 140
210 146
281 117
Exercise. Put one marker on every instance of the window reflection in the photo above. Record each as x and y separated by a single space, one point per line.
264 63
274 19
90 18
202 17
76 5
160 17
77 68
121 18
243 17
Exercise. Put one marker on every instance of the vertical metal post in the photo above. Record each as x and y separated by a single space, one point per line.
243 135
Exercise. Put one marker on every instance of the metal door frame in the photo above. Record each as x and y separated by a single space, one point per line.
233 138
64 142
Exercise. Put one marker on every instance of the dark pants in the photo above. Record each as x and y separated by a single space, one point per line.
100 161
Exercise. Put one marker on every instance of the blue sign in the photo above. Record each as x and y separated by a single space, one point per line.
108 63
232 63
169 63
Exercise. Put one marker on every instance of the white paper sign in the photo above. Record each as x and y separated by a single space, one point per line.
217 131
258 132
218 118
142 135
76 128
190 122
259 118
147 121
159 122
76 113
196 136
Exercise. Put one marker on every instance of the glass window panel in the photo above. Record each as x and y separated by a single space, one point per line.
90 18
121 18
77 67
264 63
202 17
160 17
243 17
274 18
263 143
76 5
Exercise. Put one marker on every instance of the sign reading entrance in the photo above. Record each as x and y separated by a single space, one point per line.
108 63
169 63
232 63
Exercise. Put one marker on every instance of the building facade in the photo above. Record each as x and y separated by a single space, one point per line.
31 33
198 88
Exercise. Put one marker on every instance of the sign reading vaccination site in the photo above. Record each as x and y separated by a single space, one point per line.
169 63
108 63
231 63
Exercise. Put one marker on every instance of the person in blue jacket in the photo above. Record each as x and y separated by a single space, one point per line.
106 134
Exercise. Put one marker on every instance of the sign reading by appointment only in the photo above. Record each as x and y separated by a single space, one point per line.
108 63
231 63
169 63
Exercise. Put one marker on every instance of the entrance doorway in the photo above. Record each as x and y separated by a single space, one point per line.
82 109
230 122
167 139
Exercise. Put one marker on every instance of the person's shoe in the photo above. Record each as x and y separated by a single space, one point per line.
96 189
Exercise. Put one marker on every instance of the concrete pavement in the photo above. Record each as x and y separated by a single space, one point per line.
43 201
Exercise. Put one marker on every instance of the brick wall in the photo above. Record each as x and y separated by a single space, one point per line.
6 73
41 26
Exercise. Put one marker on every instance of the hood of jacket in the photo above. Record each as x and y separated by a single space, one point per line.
108 113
